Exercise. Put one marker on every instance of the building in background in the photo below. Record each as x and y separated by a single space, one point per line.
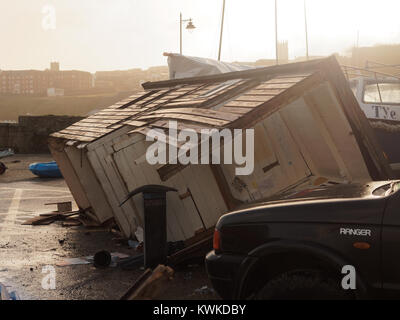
129 80
54 92
283 52
54 66
376 57
35 82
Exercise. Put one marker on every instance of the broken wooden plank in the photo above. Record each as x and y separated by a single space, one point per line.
135 123
243 104
256 98
275 86
99 121
150 285
77 127
71 222
137 98
48 218
138 283
196 250
198 119
62 206
41 220
128 113
214 114
262 93
267 92
237 110
81 133
91 125
90 223
181 125
70 136
286 80
107 117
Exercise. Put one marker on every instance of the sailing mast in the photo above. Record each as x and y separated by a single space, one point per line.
222 30
306 26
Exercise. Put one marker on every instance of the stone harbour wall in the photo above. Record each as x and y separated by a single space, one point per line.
30 134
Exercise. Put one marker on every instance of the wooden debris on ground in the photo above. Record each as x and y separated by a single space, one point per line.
89 223
150 285
49 218
64 213
197 250
68 217
72 222
62 206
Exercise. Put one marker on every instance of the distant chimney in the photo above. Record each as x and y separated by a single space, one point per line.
283 52
54 66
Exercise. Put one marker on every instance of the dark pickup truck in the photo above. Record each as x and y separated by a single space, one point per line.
296 247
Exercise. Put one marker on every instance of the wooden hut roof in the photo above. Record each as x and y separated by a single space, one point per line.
210 101
231 100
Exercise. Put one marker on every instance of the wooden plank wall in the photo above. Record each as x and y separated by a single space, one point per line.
91 185
185 216
71 178
307 139
347 148
115 190
278 162
328 145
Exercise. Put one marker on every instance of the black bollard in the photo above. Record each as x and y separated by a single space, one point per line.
155 223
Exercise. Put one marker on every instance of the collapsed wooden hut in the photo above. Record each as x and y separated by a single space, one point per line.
309 130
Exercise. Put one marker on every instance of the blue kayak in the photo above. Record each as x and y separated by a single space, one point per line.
46 170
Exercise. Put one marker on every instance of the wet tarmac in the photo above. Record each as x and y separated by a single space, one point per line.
29 254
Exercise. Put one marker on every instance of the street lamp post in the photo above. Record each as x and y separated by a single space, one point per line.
222 30
306 26
276 32
190 26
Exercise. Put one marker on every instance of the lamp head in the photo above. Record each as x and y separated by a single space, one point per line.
190 26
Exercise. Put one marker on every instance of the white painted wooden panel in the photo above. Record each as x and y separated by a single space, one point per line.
137 175
288 153
109 137
91 185
205 192
114 190
340 131
182 217
190 217
308 132
273 143
70 176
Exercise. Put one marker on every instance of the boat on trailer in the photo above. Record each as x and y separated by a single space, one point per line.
378 95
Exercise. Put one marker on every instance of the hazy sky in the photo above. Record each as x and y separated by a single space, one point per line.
120 34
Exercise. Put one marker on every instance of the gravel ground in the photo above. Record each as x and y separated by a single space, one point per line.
26 250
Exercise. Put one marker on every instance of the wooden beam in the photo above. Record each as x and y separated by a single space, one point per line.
150 285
